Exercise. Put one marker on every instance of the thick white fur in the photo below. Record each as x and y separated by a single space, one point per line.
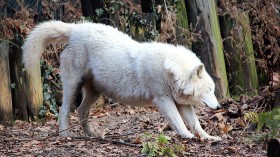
105 61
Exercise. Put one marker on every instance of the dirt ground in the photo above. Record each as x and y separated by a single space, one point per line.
122 127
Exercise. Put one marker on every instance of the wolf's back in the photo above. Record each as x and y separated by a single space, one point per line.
52 32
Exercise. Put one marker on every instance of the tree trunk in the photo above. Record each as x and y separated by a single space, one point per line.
6 108
240 56
182 33
210 50
20 106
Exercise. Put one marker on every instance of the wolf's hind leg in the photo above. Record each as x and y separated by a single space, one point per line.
69 95
168 108
90 96
71 77
188 114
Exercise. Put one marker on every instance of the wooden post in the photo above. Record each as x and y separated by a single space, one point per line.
240 56
182 33
210 50
34 90
6 107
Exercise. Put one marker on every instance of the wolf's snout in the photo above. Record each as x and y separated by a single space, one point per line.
216 107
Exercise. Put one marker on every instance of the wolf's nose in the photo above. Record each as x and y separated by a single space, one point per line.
219 107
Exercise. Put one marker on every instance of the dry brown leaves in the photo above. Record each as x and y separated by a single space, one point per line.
123 126
265 27
23 16
167 27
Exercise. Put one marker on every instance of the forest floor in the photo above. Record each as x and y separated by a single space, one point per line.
123 128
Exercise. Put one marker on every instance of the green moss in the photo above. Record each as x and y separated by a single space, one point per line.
182 18
250 54
221 67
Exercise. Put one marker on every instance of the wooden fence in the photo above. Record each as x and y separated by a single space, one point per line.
24 98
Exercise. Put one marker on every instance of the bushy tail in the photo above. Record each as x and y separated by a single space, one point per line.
52 32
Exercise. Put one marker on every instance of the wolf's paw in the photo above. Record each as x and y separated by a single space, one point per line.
66 134
215 138
189 135
91 134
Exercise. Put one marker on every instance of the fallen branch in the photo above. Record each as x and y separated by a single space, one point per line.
92 138
103 139
6 139
57 133
122 135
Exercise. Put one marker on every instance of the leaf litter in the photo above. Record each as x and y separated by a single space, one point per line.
122 128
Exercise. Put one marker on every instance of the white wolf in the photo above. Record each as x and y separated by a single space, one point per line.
105 61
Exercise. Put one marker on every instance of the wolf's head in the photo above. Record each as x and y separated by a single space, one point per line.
193 86
203 88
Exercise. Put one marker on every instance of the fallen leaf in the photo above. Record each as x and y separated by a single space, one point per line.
102 115
232 149
136 141
163 126
233 109
219 115
240 122
2 127
224 128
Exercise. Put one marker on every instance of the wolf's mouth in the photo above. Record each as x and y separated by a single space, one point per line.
205 103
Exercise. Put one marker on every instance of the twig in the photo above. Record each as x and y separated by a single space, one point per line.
109 20
93 138
103 139
16 139
165 6
112 136
57 133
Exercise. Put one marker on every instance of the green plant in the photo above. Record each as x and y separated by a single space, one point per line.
160 146
269 119
130 19
51 84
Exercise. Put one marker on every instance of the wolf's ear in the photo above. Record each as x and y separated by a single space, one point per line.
197 72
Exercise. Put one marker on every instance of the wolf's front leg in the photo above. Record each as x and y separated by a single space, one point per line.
188 114
168 108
